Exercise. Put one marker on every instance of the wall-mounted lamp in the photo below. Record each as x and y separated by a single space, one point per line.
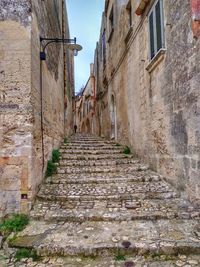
70 44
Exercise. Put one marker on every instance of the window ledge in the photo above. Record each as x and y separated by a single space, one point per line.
155 61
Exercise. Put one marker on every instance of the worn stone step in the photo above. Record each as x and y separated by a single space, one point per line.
105 178
126 168
114 188
168 237
94 144
67 152
118 210
92 148
115 260
108 162
95 157
90 141
84 197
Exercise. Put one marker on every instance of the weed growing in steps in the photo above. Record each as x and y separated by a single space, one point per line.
51 164
56 155
127 150
66 140
120 257
14 223
24 253
51 168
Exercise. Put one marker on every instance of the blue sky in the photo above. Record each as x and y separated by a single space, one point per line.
84 22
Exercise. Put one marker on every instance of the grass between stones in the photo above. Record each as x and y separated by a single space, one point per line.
51 164
14 223
66 140
119 257
56 156
24 253
127 150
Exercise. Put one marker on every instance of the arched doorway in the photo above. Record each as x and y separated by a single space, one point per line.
113 117
83 128
88 129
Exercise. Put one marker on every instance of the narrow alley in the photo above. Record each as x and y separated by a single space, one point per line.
99 154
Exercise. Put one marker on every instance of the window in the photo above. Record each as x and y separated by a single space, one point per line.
111 20
111 24
104 47
156 28
129 11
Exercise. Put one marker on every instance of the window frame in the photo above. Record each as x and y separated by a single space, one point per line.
129 10
155 39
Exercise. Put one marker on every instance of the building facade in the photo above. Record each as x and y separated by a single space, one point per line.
35 96
147 84
85 106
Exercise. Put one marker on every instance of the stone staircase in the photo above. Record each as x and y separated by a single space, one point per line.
105 208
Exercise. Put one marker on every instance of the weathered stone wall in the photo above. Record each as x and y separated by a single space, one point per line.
15 108
21 155
47 22
158 108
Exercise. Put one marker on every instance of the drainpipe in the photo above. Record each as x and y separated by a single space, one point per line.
41 114
64 62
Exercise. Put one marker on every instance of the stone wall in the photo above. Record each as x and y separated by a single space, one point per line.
157 102
21 156
15 107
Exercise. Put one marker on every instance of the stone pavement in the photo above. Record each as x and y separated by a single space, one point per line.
105 208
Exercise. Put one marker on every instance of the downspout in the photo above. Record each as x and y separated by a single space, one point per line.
64 63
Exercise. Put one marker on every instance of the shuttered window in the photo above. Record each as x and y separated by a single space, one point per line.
156 28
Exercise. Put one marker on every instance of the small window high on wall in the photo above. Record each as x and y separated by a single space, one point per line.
104 47
156 28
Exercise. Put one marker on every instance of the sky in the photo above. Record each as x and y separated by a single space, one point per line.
84 23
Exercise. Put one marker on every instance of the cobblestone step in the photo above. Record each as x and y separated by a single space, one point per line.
108 162
113 197
91 189
118 210
126 168
168 237
102 178
154 260
91 149
96 157
90 144
91 152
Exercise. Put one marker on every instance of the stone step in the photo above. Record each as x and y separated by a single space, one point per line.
126 168
105 178
118 210
92 148
94 144
113 197
67 152
95 157
114 188
89 141
168 237
108 162
115 260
